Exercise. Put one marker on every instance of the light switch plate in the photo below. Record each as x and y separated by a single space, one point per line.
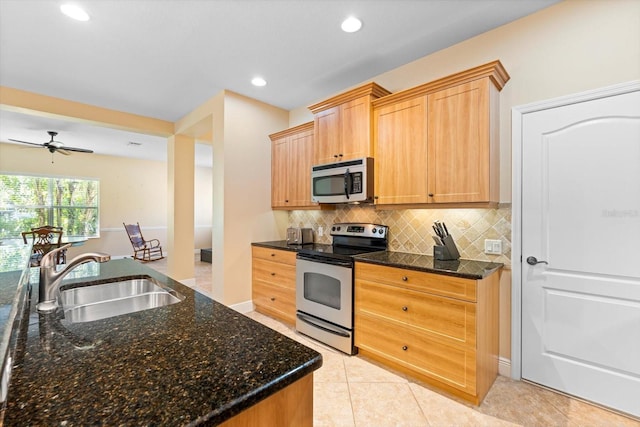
492 247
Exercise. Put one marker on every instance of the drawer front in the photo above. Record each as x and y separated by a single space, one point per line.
445 319
279 301
275 255
453 366
385 340
439 284
274 273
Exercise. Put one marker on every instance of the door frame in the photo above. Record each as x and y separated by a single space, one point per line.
517 116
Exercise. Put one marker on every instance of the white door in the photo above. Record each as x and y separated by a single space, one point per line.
581 221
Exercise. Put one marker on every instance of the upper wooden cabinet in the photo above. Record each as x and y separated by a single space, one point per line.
438 143
343 124
291 161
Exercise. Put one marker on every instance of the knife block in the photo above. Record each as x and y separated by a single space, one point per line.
446 252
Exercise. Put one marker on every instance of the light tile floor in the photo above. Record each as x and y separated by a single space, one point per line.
353 391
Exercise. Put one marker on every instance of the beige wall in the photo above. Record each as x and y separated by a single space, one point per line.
130 190
242 190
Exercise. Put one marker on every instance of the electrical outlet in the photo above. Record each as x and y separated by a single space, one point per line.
492 247
320 231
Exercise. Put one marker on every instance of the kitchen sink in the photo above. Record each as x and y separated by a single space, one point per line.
104 300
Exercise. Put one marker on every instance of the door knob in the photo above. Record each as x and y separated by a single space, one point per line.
533 261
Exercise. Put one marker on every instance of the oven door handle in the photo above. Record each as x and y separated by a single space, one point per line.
325 327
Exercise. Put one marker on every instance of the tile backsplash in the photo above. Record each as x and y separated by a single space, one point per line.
410 229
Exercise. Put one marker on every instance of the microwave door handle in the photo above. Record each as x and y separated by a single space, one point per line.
347 183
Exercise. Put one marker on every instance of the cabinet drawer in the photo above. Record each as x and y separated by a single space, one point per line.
275 299
453 366
275 255
448 286
444 319
275 273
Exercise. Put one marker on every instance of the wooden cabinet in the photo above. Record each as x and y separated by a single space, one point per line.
463 144
274 283
438 143
291 161
440 329
343 125
401 152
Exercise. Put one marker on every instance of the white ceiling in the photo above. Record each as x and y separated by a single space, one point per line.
163 58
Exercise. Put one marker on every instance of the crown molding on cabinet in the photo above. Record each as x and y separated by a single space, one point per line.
373 89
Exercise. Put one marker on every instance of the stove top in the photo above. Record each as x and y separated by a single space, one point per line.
350 239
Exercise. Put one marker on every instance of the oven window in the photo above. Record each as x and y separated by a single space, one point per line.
322 289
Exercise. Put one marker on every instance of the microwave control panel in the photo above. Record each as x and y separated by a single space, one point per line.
356 183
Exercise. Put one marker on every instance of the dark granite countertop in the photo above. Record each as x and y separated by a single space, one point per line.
464 268
282 244
194 362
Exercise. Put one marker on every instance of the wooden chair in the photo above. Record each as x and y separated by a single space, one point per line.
44 239
143 250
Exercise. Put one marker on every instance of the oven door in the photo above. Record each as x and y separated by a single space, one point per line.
325 291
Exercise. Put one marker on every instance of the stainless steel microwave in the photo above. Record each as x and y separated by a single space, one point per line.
350 181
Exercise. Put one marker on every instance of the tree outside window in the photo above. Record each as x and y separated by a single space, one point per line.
34 201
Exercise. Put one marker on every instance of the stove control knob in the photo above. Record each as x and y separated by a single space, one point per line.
333 229
381 231
373 230
339 228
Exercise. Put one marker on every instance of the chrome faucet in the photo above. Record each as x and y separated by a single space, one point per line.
50 279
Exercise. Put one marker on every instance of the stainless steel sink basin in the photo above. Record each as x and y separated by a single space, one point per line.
95 302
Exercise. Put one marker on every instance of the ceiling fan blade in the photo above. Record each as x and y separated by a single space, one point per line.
77 150
27 142
63 151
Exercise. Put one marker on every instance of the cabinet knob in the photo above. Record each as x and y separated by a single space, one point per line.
273 254
273 298
286 200
335 156
273 274
430 194
340 155
405 278
405 308
405 348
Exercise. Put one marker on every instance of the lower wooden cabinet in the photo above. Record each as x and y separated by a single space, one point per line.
409 321
274 283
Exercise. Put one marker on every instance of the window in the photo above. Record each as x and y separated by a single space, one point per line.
33 201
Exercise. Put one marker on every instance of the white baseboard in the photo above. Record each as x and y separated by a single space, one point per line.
243 307
504 367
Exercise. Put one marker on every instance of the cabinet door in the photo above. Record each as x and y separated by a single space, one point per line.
355 138
301 160
279 172
459 143
401 152
327 136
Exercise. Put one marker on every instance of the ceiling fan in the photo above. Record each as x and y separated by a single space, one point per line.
55 146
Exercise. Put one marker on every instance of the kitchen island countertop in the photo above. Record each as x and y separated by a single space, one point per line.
194 362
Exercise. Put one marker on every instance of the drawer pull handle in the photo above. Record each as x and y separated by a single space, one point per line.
273 254
405 308
273 274
405 278
273 298
405 348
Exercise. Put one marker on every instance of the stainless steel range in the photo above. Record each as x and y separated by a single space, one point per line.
324 283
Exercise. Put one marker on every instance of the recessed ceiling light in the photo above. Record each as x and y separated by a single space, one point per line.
258 81
351 25
75 12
